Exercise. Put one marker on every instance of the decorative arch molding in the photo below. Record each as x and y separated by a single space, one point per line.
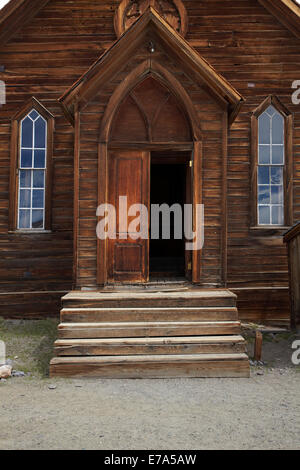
173 11
146 69
149 68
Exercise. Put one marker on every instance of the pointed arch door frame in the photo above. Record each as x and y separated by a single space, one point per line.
148 68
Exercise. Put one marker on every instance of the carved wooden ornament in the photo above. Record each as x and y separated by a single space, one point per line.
173 11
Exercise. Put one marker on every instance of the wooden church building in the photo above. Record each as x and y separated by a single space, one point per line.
190 102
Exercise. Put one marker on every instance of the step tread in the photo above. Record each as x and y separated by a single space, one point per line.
159 294
121 325
161 340
142 309
176 358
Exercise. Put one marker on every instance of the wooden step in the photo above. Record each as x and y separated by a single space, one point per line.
107 315
146 329
152 366
191 297
135 346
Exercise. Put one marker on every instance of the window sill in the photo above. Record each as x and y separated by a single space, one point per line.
271 228
29 232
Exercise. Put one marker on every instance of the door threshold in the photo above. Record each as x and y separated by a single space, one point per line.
153 284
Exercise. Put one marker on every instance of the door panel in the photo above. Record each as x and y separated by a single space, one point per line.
128 256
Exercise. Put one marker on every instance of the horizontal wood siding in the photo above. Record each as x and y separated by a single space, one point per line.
246 44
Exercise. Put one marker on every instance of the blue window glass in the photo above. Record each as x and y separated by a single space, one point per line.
32 171
25 198
26 158
25 178
264 215
38 198
39 159
264 194
277 154
264 129
277 129
37 219
34 114
27 133
276 175
24 219
38 179
40 133
264 175
264 154
277 195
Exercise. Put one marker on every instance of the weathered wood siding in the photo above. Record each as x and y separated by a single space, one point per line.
248 46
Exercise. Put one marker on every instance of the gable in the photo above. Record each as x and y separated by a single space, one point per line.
151 31
18 13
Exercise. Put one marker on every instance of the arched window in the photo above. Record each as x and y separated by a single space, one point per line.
272 127
32 172
31 159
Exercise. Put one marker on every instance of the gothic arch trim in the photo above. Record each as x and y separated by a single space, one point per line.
150 68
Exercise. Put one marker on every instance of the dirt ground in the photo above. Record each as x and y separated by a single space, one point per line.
262 412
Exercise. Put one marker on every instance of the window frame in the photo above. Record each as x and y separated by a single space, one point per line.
287 167
32 104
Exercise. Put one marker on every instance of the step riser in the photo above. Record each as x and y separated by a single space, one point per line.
145 315
156 303
132 332
203 369
150 349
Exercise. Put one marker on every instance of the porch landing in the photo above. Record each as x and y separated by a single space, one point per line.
159 332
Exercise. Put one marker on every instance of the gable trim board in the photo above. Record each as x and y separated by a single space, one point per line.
116 56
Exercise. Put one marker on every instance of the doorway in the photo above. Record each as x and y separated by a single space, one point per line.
170 185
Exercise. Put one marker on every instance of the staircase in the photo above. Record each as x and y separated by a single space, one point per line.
188 332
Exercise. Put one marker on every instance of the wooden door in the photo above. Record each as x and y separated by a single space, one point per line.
129 175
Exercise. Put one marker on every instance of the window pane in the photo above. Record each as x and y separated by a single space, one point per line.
264 154
264 195
264 215
25 178
277 129
34 114
263 175
37 219
264 129
27 132
38 178
277 154
39 159
25 198
277 215
276 194
271 110
26 158
38 198
24 219
40 133
276 175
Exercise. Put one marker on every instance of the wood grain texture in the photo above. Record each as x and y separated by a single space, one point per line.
246 45
292 238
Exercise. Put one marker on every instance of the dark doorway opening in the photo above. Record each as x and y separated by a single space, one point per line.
168 186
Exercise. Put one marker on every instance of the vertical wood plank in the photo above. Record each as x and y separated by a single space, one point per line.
76 195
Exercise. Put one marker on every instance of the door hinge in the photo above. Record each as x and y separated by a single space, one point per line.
191 163
189 266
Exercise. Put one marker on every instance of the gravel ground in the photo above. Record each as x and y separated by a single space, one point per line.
262 412
257 413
